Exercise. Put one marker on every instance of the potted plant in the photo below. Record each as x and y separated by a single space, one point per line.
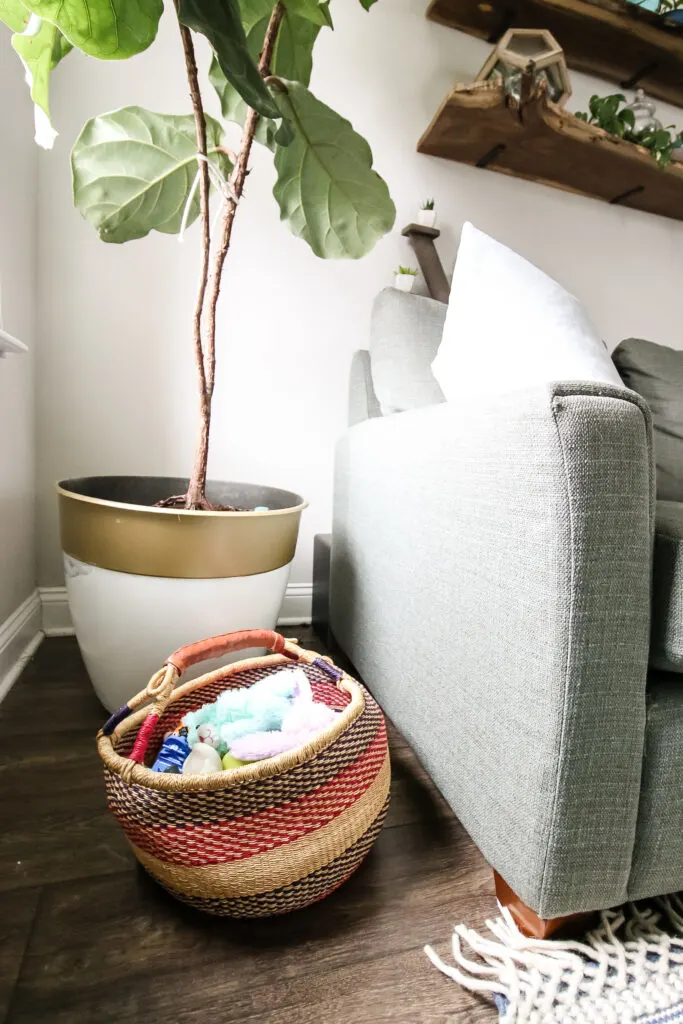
404 278
635 122
153 562
426 215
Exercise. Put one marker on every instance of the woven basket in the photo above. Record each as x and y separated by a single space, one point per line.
265 838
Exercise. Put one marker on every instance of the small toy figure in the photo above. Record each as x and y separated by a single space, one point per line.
202 760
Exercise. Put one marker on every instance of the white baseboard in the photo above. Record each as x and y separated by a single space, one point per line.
20 636
296 607
56 618
56 614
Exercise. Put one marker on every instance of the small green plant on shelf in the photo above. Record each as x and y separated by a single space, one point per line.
607 113
404 279
426 215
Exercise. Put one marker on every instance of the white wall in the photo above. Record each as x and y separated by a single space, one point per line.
18 182
116 380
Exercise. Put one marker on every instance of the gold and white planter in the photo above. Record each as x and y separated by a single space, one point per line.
143 581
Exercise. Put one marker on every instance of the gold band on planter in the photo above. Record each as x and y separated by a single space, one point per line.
171 542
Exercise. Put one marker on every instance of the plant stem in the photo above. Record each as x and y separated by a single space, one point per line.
196 496
196 491
237 180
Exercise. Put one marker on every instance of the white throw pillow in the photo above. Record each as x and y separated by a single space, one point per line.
510 326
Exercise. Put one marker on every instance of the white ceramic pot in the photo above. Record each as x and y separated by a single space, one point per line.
404 282
427 218
143 581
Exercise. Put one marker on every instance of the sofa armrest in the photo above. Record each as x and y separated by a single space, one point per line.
491 572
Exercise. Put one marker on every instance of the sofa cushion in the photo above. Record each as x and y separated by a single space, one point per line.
405 334
658 852
666 641
656 373
510 326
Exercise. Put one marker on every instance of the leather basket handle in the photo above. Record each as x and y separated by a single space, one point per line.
225 643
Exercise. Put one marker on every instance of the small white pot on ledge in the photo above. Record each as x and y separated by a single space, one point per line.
427 218
404 282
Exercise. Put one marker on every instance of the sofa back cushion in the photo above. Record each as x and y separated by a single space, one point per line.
666 639
510 326
655 372
405 334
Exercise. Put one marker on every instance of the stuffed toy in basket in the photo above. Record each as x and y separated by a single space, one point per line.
267 837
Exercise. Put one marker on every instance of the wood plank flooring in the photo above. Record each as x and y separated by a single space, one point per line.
87 938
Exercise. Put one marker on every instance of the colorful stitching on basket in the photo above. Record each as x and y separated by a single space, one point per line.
147 806
307 890
225 841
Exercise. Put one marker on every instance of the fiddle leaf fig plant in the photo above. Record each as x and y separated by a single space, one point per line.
221 23
327 160
162 151
136 171
292 59
110 31
40 54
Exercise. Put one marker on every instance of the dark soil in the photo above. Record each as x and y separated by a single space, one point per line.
178 501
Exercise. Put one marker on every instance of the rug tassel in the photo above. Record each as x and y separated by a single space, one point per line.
469 981
627 969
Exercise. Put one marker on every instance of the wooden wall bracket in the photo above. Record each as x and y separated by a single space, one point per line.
422 240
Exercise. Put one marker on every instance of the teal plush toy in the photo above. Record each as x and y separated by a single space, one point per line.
257 708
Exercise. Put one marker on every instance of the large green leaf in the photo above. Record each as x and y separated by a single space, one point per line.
367 4
108 29
133 171
219 21
326 187
41 47
14 14
292 58
317 11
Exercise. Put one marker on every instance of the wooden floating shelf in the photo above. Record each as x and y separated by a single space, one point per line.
537 140
613 39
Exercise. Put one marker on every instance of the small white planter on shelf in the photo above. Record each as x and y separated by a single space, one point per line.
427 218
404 282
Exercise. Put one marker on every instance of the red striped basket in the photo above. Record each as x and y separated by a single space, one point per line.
265 838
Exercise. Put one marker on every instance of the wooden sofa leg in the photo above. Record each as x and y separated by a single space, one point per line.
528 921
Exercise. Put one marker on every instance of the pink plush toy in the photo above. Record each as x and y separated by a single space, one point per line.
300 725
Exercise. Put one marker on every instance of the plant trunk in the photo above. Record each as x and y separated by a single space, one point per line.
196 496
205 347
196 491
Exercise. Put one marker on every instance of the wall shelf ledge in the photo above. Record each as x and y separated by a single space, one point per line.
535 139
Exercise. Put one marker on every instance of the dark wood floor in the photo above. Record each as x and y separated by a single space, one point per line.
87 938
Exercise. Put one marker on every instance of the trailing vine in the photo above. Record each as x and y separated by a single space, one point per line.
608 113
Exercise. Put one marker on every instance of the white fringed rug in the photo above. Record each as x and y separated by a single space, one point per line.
628 970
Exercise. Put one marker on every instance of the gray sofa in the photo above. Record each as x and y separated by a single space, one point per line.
491 580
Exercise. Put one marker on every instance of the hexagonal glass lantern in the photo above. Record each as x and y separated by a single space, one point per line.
512 55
